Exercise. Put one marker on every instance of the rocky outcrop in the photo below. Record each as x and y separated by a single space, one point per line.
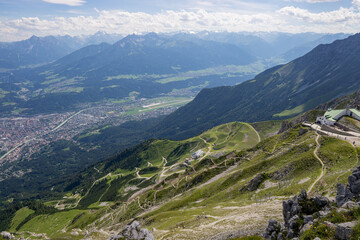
285 125
352 189
7 235
297 213
301 212
254 183
344 230
133 231
273 231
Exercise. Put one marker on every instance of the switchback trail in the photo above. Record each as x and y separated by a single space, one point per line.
322 163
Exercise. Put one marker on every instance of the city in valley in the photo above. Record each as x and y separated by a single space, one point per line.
22 136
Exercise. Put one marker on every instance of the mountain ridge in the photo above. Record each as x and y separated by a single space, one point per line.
280 92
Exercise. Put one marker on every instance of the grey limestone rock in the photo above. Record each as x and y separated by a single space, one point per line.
323 213
340 196
355 186
350 205
255 182
7 235
344 230
308 218
352 189
273 230
330 224
133 231
321 201
342 210
290 234
297 213
293 223
302 131
306 227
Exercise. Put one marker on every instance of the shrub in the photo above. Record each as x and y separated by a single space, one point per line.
356 232
318 230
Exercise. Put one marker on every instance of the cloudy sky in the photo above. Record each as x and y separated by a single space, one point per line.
20 19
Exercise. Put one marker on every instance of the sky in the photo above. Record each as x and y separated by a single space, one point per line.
20 19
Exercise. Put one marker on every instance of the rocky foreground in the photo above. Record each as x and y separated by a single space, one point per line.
318 217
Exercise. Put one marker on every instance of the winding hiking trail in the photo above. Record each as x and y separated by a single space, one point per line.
209 149
322 163
138 174
258 135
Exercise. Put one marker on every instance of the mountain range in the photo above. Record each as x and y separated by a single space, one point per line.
326 72
41 50
148 64
80 70
284 46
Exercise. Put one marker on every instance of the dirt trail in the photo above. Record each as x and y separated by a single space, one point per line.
217 177
258 135
322 163
208 152
138 175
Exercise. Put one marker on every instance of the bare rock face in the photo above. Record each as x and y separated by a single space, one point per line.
254 183
298 217
301 212
273 230
133 231
351 190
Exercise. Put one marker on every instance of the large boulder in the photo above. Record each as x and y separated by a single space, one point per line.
344 230
273 231
352 189
133 231
255 182
7 235
297 213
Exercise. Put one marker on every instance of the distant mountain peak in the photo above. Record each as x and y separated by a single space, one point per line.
34 38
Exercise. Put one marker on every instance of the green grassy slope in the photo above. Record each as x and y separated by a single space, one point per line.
116 180
20 216
117 177
214 193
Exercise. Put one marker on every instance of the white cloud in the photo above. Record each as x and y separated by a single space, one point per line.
287 19
313 1
67 2
341 20
341 15
356 3
123 22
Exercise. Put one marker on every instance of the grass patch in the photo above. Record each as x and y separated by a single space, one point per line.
51 224
19 217
291 112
